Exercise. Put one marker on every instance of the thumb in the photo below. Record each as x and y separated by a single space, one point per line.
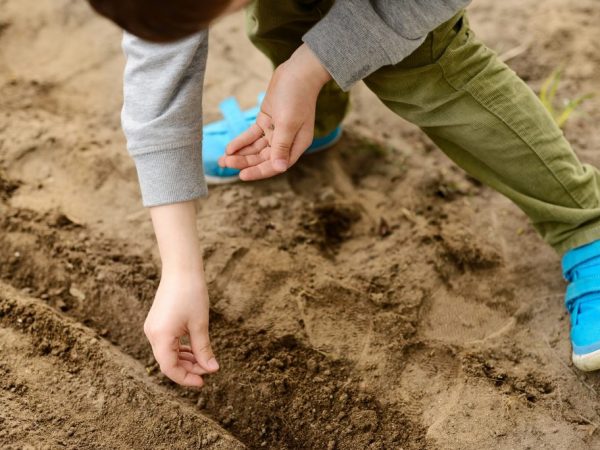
281 144
202 350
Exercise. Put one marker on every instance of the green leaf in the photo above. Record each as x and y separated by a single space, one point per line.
571 108
547 96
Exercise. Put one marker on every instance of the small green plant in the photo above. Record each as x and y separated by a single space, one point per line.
548 94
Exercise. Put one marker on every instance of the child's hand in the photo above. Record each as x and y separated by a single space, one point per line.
180 308
284 127
181 304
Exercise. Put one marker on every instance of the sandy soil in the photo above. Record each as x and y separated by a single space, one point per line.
373 297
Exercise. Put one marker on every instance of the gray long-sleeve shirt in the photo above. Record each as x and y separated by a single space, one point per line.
162 111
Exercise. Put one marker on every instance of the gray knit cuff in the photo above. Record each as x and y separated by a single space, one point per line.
345 67
171 175
350 47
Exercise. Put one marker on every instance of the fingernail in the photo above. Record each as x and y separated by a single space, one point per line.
212 364
280 165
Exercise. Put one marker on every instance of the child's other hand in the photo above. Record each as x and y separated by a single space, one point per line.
284 127
181 303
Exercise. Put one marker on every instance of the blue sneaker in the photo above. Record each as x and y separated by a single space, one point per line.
581 268
216 136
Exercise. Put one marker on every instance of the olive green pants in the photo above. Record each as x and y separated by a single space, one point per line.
475 108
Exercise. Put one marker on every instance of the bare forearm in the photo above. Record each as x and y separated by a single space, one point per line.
176 233
181 304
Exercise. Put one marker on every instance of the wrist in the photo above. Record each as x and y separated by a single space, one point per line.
182 265
177 236
309 67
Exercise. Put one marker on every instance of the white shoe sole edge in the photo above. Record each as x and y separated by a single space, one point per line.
212 180
215 181
588 362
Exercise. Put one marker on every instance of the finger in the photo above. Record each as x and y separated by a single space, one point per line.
249 136
241 162
302 141
247 139
263 153
166 354
281 144
188 361
193 368
258 172
254 148
202 348
187 356
185 352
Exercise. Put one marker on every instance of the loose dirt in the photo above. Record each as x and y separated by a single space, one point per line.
373 297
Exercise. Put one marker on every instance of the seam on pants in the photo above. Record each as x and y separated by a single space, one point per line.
513 130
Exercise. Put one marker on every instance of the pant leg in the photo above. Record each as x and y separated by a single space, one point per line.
488 121
276 28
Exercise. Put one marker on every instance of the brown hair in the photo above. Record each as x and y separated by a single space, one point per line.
160 20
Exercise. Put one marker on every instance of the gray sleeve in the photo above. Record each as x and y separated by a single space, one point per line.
162 116
357 37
